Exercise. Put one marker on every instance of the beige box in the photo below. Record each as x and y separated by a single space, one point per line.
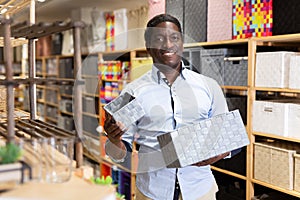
272 69
274 163
297 173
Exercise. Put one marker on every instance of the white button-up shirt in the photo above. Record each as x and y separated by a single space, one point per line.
191 98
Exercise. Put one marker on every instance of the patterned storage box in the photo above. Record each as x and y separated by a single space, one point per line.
156 7
111 70
252 18
206 139
274 163
212 62
236 71
272 69
195 21
176 8
219 20
297 173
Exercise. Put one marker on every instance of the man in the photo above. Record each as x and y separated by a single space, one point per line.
171 96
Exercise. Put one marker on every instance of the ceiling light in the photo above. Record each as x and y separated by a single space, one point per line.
3 11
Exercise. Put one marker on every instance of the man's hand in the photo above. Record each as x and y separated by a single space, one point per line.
113 129
211 160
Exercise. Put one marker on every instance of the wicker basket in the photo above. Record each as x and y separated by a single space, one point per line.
274 163
297 173
2 98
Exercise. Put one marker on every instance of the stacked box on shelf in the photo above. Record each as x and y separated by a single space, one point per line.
297 172
66 69
66 122
238 102
109 91
51 112
66 89
140 66
272 69
195 21
274 163
90 124
176 8
90 65
192 56
91 85
285 114
51 67
66 105
236 71
294 72
110 70
219 20
40 109
212 62
51 96
90 105
109 35
252 18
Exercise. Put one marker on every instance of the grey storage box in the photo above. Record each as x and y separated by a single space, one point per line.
89 105
66 105
66 69
66 89
236 102
203 140
91 85
195 21
236 71
90 65
51 112
51 96
66 123
212 62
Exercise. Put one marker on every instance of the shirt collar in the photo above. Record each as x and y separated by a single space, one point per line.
157 75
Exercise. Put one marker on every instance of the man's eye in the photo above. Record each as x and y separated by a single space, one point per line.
175 38
159 39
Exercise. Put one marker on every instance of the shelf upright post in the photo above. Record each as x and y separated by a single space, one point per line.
9 80
252 47
77 98
32 67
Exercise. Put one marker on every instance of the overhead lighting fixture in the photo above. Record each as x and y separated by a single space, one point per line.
41 1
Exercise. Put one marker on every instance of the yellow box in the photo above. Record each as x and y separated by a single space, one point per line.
140 66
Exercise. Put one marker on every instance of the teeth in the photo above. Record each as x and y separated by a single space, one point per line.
169 54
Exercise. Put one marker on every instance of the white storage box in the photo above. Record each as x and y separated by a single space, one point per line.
272 69
206 139
274 163
278 118
297 173
294 75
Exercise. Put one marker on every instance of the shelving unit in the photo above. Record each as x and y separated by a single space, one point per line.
253 45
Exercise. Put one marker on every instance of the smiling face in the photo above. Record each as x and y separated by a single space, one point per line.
165 45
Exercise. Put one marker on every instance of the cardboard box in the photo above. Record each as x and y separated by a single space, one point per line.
206 139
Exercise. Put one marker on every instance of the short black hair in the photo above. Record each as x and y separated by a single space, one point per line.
157 20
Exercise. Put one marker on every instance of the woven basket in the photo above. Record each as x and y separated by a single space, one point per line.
274 163
2 98
297 173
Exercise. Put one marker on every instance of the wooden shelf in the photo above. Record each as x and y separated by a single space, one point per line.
274 187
